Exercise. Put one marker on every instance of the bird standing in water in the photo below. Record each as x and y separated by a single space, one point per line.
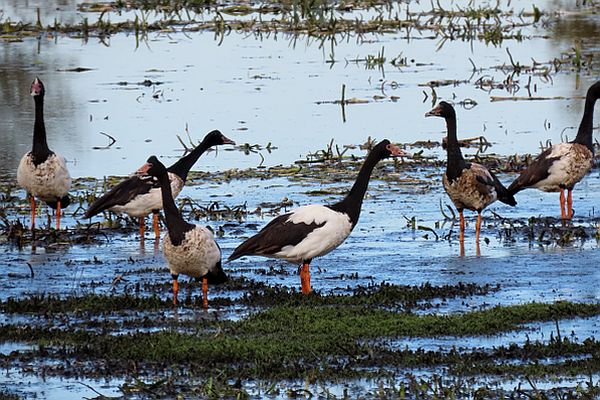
42 172
140 195
189 249
314 230
563 165
469 185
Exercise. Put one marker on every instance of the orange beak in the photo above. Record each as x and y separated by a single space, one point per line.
226 140
397 151
143 169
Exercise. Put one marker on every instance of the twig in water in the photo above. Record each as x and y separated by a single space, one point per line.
426 228
111 139
31 270
558 338
444 214
183 144
97 392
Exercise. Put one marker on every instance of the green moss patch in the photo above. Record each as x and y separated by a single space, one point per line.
287 342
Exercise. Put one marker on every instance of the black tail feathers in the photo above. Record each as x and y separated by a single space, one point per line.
64 202
216 275
507 198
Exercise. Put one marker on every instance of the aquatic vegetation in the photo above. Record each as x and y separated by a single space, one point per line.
315 18
322 337
333 162
357 336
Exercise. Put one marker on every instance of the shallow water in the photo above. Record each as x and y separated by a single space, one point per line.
381 249
270 90
52 388
261 91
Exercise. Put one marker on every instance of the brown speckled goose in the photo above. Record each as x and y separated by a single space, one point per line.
315 230
469 185
42 172
189 249
563 165
139 196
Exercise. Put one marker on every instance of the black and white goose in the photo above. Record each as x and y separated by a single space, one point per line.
314 230
189 249
469 185
42 172
563 165
139 195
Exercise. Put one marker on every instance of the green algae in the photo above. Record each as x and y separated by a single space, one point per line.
367 322
256 294
91 303
291 337
384 295
284 342
8 396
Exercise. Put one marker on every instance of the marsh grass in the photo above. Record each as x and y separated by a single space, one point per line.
332 163
324 337
315 18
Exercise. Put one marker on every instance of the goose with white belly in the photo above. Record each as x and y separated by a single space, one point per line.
42 172
189 249
140 195
563 165
315 230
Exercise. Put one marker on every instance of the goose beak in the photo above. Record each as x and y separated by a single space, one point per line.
434 112
226 140
143 169
397 151
36 87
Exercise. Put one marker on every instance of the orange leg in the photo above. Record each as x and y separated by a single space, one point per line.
142 227
58 215
305 278
155 225
570 204
462 226
175 288
32 202
478 227
205 293
563 214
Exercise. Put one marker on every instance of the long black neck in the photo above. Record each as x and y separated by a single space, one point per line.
182 167
176 225
40 150
352 203
584 134
456 162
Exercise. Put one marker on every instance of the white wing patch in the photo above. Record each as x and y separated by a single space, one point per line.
336 229
573 164
144 204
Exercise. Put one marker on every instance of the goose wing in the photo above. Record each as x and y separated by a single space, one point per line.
537 171
123 193
278 233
